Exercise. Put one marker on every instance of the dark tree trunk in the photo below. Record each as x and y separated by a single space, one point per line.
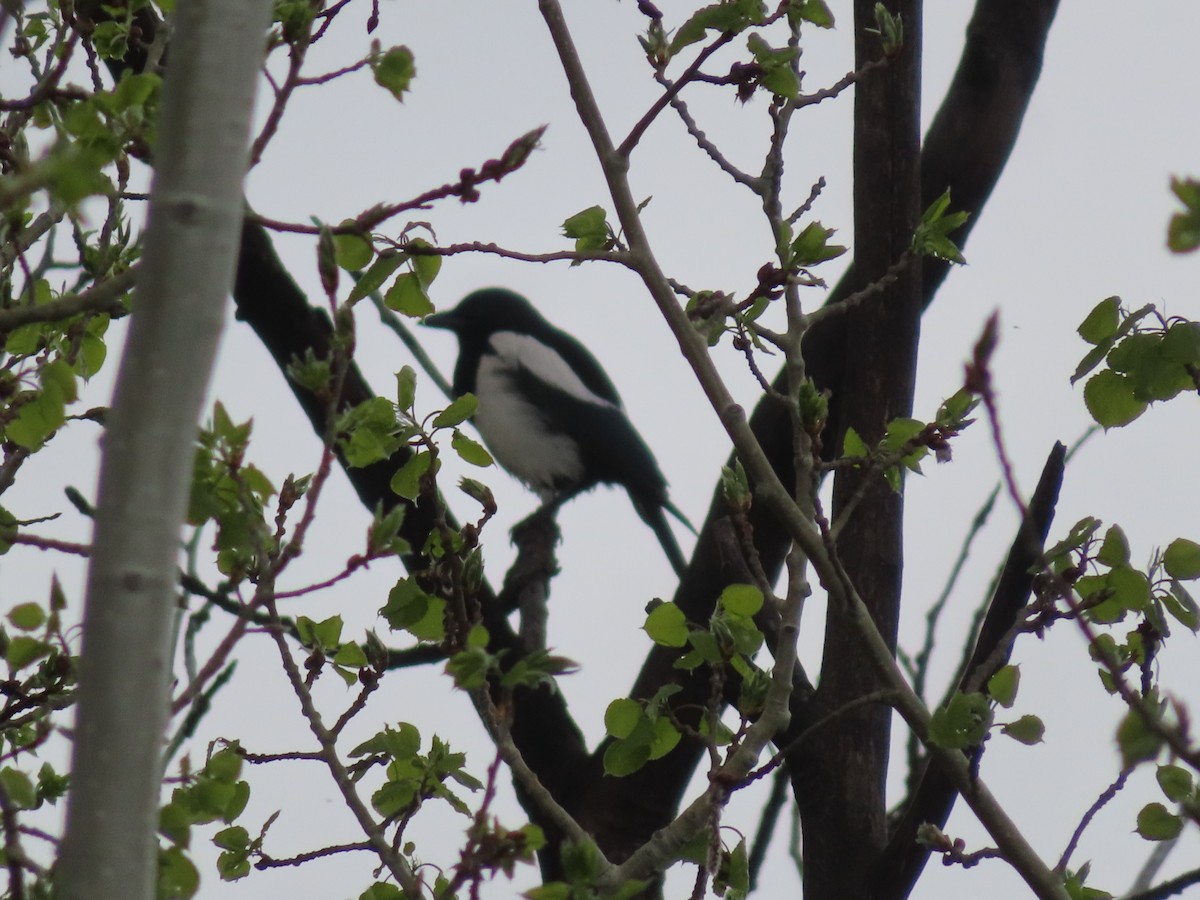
865 360
839 778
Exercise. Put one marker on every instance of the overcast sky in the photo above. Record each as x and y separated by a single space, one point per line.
1079 214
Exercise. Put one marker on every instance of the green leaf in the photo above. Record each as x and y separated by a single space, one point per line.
1002 687
469 668
224 766
351 656
590 230
1081 532
1176 783
1182 559
1102 322
1131 588
394 797
23 650
406 482
731 16
666 738
815 12
1179 603
1183 230
457 412
19 788
1027 729
409 608
624 758
408 296
372 279
812 246
931 235
1111 400
233 864
854 446
37 419
425 266
178 878
777 73
406 388
1136 742
382 890
890 28
588 223
622 717
732 880
962 722
667 626
92 354
1156 823
352 251
741 599
27 616
1114 551
554 890
470 451
1181 343
394 70
234 837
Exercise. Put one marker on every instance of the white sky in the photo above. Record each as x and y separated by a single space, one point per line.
1079 214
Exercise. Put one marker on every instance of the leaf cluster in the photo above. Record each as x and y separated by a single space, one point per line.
1147 359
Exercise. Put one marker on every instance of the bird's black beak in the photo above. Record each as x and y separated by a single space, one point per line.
447 320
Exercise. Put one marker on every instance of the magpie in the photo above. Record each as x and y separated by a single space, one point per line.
548 412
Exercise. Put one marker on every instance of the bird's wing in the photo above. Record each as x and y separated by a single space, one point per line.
553 367
586 366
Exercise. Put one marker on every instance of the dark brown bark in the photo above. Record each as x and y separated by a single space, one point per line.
839 779
965 150
934 796
271 303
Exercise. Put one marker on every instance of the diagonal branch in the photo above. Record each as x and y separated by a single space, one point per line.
935 794
965 148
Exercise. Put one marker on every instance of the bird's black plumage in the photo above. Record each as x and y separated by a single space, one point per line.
547 410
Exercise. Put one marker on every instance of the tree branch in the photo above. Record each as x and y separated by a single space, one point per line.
965 148
934 796
104 296
109 850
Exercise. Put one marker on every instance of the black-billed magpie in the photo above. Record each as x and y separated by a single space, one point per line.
547 411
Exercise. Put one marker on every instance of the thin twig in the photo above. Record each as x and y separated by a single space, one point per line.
1169 888
394 862
767 821
703 142
670 93
270 862
1105 796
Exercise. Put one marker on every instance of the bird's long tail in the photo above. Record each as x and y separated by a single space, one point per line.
653 515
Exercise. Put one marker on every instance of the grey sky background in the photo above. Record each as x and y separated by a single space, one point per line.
1079 214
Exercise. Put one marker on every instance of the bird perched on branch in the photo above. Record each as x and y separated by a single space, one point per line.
547 411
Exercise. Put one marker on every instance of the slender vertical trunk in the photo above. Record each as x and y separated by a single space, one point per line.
840 780
109 850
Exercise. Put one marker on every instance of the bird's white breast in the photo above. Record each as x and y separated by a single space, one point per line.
518 434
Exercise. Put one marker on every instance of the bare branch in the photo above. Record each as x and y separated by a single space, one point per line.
105 296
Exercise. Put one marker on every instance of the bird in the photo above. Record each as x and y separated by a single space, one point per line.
548 412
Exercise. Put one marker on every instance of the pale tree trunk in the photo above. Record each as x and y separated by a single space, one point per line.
109 850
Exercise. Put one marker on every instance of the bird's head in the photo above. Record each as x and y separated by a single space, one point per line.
490 310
